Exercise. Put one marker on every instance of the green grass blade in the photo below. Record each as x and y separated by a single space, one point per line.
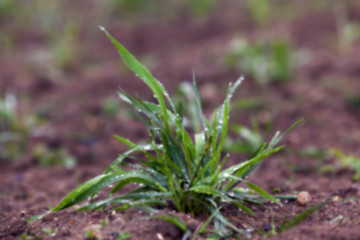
127 204
239 169
137 147
114 165
222 219
251 168
222 124
137 177
243 208
212 178
200 163
87 189
208 220
174 220
96 205
277 138
214 135
141 107
142 193
200 142
299 218
143 73
189 148
177 157
204 122
206 189
221 131
262 192
36 217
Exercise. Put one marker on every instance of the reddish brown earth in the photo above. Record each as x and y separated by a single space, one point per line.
317 92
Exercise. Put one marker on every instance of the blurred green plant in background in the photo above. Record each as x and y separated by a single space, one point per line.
14 129
348 162
247 141
46 157
259 10
324 161
265 62
347 31
201 7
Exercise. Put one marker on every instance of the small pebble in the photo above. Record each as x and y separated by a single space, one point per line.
267 227
114 234
303 198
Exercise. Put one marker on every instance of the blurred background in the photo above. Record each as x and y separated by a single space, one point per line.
59 74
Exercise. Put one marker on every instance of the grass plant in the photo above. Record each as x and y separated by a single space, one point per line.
187 171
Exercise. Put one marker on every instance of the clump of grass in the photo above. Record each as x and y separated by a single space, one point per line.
175 167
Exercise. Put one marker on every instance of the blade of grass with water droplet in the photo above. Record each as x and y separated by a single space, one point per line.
88 189
143 73
262 192
203 119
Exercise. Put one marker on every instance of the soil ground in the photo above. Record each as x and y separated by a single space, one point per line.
70 103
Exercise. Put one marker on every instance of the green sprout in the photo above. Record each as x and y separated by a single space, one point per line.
188 172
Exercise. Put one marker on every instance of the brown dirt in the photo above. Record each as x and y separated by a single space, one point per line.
74 120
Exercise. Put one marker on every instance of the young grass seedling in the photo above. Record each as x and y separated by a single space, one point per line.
187 171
